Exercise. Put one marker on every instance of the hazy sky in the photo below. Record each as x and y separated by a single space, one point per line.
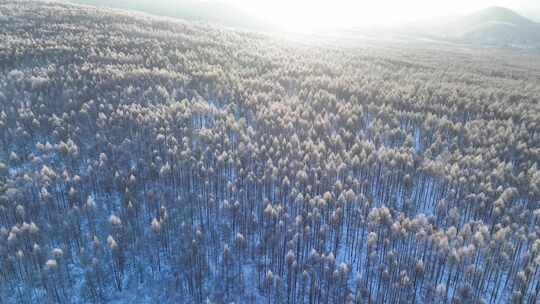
306 15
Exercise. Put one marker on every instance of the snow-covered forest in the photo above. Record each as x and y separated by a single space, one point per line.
147 160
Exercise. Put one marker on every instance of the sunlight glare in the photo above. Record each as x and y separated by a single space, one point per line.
312 15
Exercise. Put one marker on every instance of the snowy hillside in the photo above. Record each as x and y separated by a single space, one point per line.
147 160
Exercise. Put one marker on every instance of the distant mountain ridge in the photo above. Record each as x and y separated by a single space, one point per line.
493 26
216 12
497 26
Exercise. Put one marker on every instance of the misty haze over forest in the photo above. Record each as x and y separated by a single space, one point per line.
490 26
223 11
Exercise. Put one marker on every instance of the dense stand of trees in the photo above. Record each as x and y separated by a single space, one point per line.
150 159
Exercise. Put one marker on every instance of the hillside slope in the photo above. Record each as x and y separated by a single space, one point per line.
150 160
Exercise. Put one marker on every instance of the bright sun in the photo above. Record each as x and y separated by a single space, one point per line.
314 15
305 15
